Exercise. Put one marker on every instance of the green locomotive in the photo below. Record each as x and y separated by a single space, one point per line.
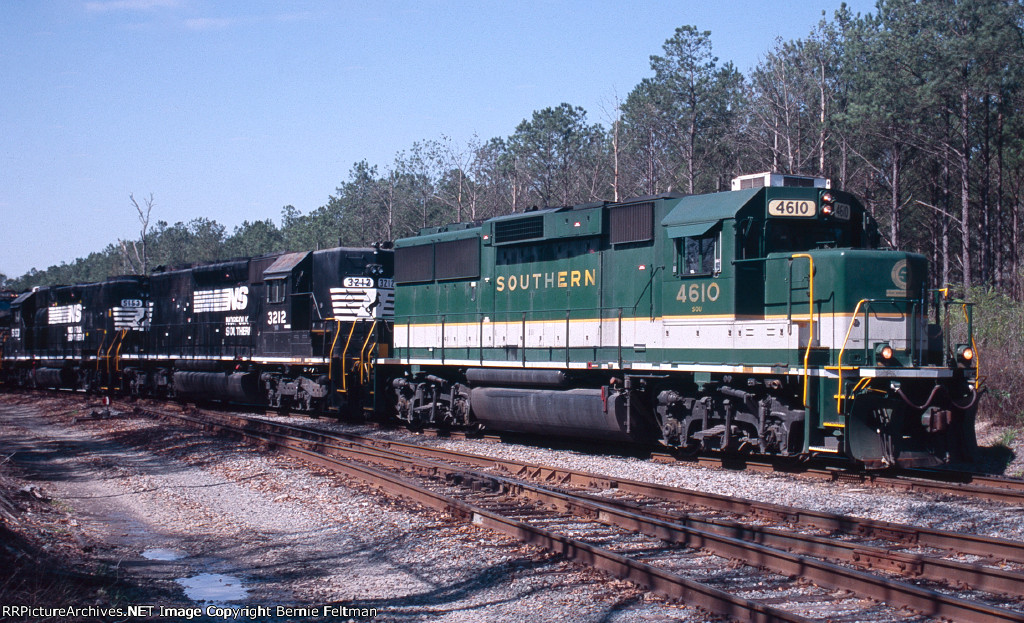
762 320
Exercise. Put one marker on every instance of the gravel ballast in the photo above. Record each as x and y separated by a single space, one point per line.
292 534
953 513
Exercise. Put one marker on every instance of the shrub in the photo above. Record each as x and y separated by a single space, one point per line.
999 338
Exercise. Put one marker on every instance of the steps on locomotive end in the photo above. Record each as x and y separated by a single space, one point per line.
825 449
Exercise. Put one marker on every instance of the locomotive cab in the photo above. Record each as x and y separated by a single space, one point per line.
287 306
876 389
21 339
324 312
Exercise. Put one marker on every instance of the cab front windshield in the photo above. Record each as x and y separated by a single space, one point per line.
791 236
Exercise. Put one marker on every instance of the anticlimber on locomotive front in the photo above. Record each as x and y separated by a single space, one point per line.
764 319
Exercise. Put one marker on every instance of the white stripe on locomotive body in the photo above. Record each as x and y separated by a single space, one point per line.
357 300
668 333
892 328
220 300
671 333
64 314
929 373
171 357
631 333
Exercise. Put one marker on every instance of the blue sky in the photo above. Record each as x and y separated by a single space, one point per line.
232 110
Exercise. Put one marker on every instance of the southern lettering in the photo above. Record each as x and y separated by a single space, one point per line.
558 279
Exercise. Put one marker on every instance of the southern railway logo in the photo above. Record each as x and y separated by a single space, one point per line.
900 276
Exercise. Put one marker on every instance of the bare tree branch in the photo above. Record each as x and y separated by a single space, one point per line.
141 261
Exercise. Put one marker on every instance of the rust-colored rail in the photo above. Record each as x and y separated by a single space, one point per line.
759 547
934 481
957 482
989 547
654 578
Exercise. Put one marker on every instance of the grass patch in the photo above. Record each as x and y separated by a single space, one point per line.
1006 438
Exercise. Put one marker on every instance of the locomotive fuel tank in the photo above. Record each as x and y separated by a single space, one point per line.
543 402
600 414
240 387
55 378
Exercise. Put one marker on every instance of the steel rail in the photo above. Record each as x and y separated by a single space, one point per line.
733 546
921 480
689 530
980 577
897 593
934 481
988 492
958 477
977 545
652 577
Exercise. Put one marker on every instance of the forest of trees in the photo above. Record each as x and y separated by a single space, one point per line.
918 108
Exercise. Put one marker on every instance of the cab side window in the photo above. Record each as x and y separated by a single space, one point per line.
700 255
275 290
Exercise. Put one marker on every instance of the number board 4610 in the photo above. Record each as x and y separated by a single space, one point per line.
803 208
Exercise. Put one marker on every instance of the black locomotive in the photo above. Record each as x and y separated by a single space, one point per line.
291 331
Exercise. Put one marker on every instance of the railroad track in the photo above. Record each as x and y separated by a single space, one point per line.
937 482
730 556
934 481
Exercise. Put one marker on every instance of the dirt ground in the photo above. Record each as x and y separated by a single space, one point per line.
118 512
1001 449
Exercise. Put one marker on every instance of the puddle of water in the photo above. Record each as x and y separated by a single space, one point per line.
214 587
162 554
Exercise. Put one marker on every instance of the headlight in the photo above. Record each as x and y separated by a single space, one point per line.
965 355
883 353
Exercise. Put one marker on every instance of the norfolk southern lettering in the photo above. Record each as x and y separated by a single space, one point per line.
221 300
555 279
